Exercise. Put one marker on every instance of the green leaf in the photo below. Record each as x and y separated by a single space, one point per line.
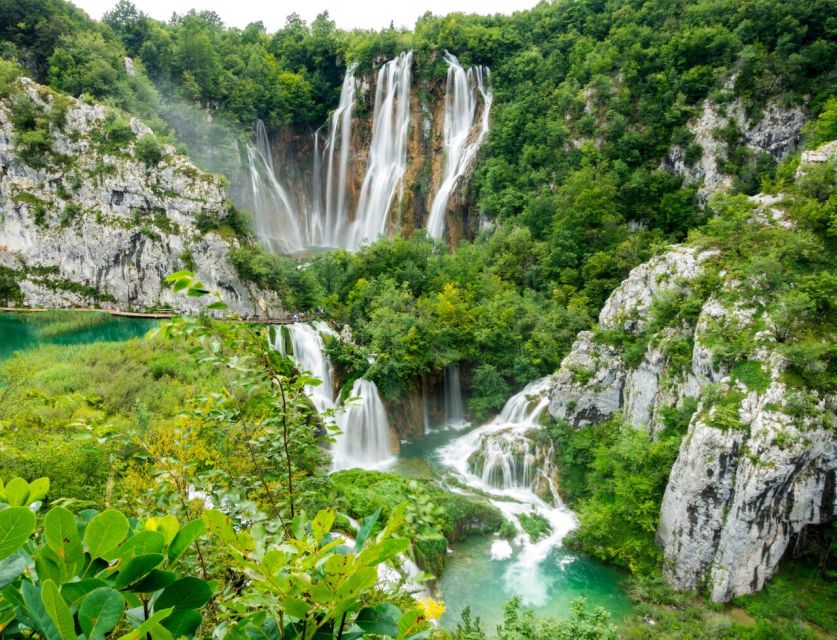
142 543
58 610
100 612
168 526
38 489
185 593
366 528
147 626
186 536
137 568
74 592
322 523
154 581
37 612
105 532
296 607
17 493
381 619
61 535
218 305
16 525
183 623
11 568
383 551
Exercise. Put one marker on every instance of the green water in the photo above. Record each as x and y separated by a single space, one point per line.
20 331
472 578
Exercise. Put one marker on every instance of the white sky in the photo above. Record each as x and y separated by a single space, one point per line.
374 14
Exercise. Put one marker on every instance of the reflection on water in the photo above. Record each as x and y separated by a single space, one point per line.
19 331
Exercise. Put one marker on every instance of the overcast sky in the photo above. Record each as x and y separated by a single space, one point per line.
347 14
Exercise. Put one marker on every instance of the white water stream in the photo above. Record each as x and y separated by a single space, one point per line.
499 460
463 133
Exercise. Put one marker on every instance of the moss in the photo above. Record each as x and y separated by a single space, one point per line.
752 375
535 525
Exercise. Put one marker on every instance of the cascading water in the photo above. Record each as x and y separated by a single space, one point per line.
454 407
329 218
463 136
365 441
276 221
387 152
499 459
308 350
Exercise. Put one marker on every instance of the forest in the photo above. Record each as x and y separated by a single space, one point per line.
183 478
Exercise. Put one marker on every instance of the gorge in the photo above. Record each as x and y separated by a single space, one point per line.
501 326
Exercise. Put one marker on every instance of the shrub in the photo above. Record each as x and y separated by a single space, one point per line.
148 150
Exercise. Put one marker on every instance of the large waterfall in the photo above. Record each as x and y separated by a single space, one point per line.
276 221
329 217
387 151
463 136
333 216
366 440
501 459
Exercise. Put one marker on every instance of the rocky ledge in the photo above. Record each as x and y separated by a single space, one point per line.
95 212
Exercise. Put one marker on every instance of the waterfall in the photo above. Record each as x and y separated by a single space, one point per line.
307 349
501 460
454 407
329 219
387 152
276 222
365 440
462 137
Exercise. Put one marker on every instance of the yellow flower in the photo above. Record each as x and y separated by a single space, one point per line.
431 608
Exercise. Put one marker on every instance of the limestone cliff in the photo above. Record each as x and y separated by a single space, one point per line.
87 218
759 460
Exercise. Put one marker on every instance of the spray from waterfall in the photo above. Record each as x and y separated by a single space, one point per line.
365 441
275 219
387 152
463 135
501 459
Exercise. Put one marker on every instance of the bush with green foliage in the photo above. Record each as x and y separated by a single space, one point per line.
99 574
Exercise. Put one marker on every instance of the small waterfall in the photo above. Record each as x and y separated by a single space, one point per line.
500 459
454 407
307 349
387 151
462 137
425 406
365 440
276 222
329 219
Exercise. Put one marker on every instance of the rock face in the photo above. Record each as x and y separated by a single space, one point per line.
94 225
736 496
594 380
776 132
753 469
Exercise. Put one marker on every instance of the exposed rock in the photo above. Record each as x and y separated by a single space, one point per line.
776 132
754 469
736 496
96 226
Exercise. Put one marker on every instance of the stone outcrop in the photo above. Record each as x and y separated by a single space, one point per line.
758 463
594 380
94 225
776 131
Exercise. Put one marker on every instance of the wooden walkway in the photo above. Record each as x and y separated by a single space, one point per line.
161 315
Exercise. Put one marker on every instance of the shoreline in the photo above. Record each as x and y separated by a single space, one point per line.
156 315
